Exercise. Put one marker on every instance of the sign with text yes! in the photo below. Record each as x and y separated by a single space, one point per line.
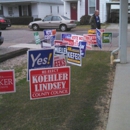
42 58
7 81
49 82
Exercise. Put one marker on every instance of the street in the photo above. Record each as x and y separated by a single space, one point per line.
25 35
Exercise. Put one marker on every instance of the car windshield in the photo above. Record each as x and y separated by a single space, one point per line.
65 17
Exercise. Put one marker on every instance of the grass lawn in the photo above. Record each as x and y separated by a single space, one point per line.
74 112
103 26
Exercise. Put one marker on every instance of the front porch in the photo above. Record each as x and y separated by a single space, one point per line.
113 9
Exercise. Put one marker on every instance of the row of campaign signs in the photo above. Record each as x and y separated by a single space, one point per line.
48 73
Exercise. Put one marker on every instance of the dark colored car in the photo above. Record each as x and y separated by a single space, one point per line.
4 23
1 38
53 21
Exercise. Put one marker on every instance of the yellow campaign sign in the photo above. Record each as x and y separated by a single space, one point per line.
74 55
92 31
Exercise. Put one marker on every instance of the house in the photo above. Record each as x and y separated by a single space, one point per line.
34 8
113 11
73 9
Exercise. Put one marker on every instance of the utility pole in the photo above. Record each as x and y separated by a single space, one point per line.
123 23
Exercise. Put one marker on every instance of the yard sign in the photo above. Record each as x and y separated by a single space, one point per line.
7 81
65 35
37 38
42 58
45 43
98 38
59 61
107 37
93 39
74 55
60 50
49 33
82 45
49 82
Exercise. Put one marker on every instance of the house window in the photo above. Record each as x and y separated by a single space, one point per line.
10 10
92 6
51 9
57 9
74 6
25 10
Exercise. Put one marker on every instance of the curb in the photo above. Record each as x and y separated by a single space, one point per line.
13 54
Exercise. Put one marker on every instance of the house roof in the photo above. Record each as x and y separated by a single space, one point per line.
31 1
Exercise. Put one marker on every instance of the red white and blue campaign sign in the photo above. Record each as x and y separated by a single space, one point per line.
80 38
82 45
98 38
65 35
93 39
42 58
59 61
76 39
69 42
74 55
49 82
59 43
48 33
7 81
60 50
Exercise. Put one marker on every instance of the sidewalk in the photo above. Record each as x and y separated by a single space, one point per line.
119 114
115 26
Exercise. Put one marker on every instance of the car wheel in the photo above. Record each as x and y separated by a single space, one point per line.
35 27
63 28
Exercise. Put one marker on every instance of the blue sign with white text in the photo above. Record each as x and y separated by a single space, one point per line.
98 38
47 34
68 36
42 58
82 45
52 39
60 50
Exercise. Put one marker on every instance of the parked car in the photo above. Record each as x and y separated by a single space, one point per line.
1 38
4 23
53 21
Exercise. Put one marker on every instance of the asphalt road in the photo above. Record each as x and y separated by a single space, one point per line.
25 35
